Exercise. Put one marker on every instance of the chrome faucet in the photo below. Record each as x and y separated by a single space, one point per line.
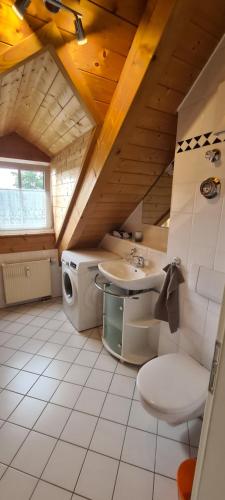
135 260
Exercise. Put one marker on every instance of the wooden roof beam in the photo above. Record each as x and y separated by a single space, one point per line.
145 43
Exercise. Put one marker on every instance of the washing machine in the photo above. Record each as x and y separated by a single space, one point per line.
82 301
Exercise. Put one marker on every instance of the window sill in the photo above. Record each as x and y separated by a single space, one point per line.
26 232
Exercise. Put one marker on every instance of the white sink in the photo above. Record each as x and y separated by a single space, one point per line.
123 274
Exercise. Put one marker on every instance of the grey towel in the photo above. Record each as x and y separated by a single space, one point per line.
167 305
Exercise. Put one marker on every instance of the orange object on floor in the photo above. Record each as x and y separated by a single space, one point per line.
185 478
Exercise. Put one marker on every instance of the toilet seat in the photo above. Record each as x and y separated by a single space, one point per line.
173 387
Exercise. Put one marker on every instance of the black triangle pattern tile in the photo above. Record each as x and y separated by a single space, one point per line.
198 141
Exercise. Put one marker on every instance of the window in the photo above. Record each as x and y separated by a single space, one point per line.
24 198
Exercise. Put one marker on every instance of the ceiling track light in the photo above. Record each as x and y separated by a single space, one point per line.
55 6
20 7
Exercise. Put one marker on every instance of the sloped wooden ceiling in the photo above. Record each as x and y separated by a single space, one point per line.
110 26
38 102
137 141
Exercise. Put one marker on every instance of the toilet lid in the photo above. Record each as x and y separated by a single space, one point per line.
173 383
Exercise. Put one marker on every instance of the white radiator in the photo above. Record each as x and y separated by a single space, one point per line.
26 280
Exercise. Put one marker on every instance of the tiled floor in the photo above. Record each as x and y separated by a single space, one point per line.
71 424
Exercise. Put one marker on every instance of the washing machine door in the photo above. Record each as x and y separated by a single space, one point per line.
69 287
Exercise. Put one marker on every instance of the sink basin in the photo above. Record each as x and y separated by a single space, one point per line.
123 274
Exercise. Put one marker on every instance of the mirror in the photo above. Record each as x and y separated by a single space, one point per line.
156 203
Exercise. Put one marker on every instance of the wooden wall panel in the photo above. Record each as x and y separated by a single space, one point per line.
40 103
65 171
27 242
146 141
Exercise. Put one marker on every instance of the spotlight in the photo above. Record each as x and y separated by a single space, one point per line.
20 7
53 7
80 34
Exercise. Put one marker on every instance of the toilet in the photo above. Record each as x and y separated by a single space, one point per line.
173 387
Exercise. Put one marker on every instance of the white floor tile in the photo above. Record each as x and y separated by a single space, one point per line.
128 370
64 465
44 388
53 324
67 354
8 403
27 412
52 420
68 327
46 313
122 386
38 321
116 409
134 483
49 350
60 337
19 360
12 327
45 491
16 485
11 438
57 369
66 395
32 346
99 379
37 364
164 488
7 374
107 363
29 331
177 432
4 337
195 427
169 456
141 419
11 316
93 345
6 353
25 318
79 429
108 438
139 448
16 342
78 374
86 358
43 334
97 477
2 469
90 401
76 341
34 454
22 382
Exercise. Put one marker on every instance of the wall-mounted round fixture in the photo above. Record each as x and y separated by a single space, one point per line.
213 155
210 188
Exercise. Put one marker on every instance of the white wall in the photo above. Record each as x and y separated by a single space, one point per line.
197 227
29 256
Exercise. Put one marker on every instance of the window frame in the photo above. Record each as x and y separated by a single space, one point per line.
33 166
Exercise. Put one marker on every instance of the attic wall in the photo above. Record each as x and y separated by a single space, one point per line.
65 171
14 146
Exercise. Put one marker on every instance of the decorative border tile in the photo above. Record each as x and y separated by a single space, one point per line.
198 141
